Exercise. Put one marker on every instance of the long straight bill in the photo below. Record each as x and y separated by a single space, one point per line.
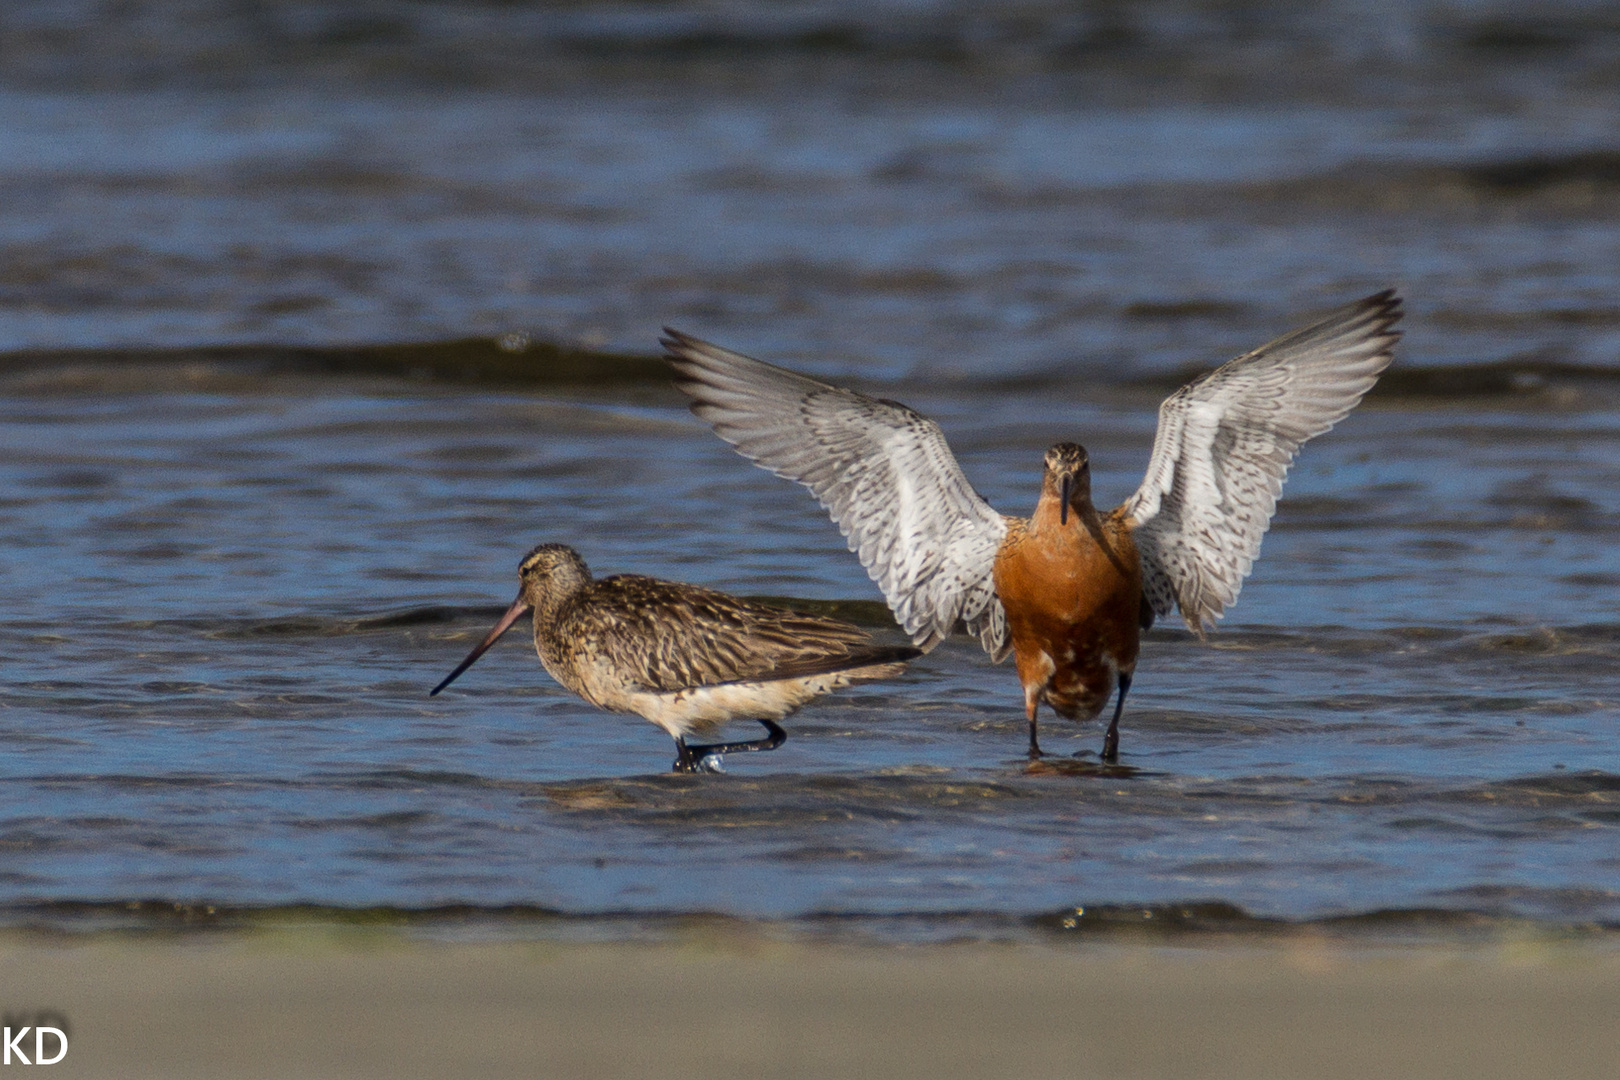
1065 486
513 614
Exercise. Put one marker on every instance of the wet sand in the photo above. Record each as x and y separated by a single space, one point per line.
338 1004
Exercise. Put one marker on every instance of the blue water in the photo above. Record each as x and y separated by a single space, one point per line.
208 702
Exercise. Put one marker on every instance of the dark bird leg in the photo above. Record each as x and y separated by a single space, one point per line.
690 758
684 761
1034 744
1110 751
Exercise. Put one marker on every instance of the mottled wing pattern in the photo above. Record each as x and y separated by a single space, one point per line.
672 636
883 471
1225 442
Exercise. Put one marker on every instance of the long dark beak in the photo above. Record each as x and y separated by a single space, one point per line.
1065 486
513 614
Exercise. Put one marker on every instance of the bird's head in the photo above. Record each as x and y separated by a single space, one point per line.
549 573
1068 471
547 576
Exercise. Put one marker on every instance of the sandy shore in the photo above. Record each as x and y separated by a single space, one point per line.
322 1004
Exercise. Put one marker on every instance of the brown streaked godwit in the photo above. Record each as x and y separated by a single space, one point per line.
685 657
1068 590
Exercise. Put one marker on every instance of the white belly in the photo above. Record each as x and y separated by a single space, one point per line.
704 708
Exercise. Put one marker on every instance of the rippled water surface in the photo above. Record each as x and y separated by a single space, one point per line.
250 518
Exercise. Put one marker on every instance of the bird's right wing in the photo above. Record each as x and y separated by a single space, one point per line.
1224 445
882 470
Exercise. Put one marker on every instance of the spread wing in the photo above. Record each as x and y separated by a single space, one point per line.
884 473
1224 445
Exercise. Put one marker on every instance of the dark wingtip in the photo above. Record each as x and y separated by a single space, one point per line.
674 341
1388 303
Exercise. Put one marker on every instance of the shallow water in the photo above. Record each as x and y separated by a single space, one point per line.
233 575
232 607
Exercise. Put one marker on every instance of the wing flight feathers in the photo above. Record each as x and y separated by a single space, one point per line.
1225 443
883 472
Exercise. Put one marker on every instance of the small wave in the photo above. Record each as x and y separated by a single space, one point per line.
1190 308
1590 638
518 362
784 801
317 626
1580 182
1529 381
1551 903
870 613
438 45
514 360
1216 918
1187 923
1588 787
1416 639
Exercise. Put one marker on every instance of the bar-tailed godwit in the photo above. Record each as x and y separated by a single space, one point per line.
1068 590
685 657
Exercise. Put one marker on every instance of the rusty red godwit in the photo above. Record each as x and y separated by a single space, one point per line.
685 657
1068 590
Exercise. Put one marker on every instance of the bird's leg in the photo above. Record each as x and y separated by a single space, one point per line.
1110 752
684 761
1031 705
692 756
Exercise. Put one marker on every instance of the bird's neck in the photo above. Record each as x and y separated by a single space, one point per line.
1085 527
1048 515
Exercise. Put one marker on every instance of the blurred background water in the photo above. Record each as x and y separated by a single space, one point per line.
316 316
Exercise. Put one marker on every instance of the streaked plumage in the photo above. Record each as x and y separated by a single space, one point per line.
935 547
685 657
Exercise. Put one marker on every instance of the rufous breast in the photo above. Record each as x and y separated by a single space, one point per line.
1073 600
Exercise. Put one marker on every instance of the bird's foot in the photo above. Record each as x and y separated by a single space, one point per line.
700 763
1110 750
1034 737
709 758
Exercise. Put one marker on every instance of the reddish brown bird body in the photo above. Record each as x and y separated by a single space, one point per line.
1072 615
1071 584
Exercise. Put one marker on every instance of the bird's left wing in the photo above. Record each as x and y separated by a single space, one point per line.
1225 442
883 471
